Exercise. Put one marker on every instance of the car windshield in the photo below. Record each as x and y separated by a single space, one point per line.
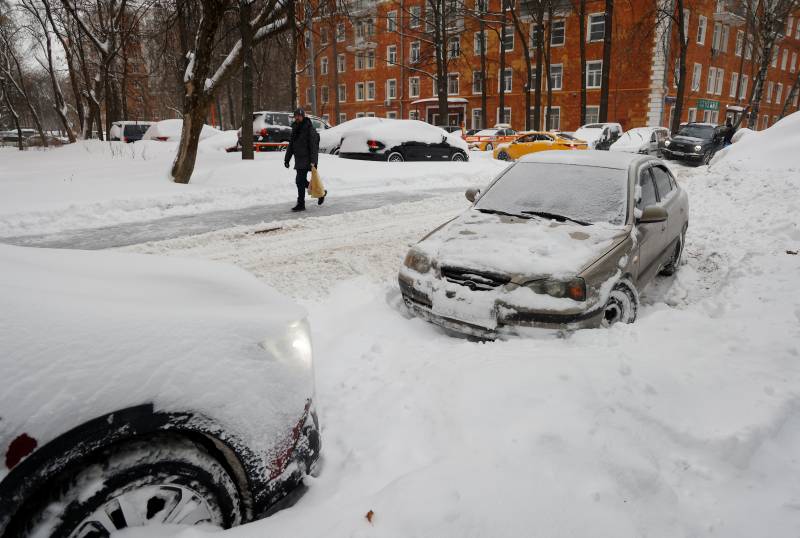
635 135
697 131
135 129
588 194
593 126
486 132
278 119
566 136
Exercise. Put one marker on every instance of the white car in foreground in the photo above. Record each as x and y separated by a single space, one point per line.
140 390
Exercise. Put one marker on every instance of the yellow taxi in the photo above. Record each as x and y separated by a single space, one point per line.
533 141
488 139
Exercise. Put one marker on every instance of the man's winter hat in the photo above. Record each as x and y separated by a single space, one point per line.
299 112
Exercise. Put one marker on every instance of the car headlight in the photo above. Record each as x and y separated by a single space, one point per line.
294 344
666 142
418 261
698 148
574 288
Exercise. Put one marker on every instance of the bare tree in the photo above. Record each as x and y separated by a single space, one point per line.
608 16
247 78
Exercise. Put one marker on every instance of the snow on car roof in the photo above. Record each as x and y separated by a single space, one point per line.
395 132
603 159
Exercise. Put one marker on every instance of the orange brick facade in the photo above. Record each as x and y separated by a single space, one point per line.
641 82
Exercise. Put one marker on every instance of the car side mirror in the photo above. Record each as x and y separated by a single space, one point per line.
653 213
472 194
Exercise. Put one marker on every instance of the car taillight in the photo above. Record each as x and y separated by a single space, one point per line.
124 138
374 144
162 138
264 132
281 459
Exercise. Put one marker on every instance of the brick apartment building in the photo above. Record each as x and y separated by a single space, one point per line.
375 61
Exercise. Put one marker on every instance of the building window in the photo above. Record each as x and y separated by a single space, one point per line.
701 30
414 53
594 74
592 114
785 59
775 53
711 84
371 59
743 86
370 114
309 96
391 21
477 121
360 115
341 35
341 63
734 84
557 34
739 43
597 27
793 65
323 36
692 115
342 117
453 47
413 87
392 115
726 31
391 54
477 82
324 94
413 114
506 116
415 12
508 39
556 76
716 36
553 119
481 6
434 86
697 75
476 42
452 84
778 92
359 61
687 16
371 90
789 26
391 89
535 28
342 93
770 87
748 47
765 121
359 91
507 80
323 65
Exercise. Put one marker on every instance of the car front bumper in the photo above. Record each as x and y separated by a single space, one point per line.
683 155
364 156
510 320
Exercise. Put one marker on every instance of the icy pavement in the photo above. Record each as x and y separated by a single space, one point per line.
133 233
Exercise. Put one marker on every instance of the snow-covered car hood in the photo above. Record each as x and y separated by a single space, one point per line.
395 132
329 139
632 141
83 334
689 140
518 246
171 130
588 135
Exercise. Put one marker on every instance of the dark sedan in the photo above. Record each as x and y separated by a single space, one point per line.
403 140
695 142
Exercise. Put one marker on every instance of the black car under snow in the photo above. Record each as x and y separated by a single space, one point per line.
695 142
403 140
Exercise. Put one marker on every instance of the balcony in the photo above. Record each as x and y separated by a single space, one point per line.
730 12
356 8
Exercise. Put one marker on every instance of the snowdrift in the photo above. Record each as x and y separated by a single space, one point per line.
170 130
772 149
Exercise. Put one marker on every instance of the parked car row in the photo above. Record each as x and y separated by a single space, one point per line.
30 138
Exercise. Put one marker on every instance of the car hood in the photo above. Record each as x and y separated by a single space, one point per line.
518 246
690 140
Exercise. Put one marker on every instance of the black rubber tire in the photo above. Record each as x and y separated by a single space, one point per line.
163 460
395 157
707 156
674 263
625 300
457 156
503 156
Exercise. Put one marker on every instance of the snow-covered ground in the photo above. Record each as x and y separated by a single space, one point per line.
686 423
92 184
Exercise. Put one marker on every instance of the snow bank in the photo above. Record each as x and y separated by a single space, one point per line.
395 132
772 149
219 142
171 130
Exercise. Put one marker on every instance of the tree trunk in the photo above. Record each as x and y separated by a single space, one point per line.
526 51
247 79
13 112
604 85
333 68
293 44
766 58
549 117
501 105
537 88
795 88
681 91
582 47
193 122
484 104
440 37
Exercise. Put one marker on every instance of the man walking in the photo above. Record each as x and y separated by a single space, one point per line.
304 147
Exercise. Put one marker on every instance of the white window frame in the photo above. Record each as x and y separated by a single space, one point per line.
726 35
413 115
509 33
361 91
734 85
596 16
739 48
453 52
476 76
509 85
414 45
691 115
342 117
702 27
785 59
716 36
711 82
546 119
560 77
457 77
793 64
360 61
476 43
391 54
697 77
563 42
341 36
324 94
743 86
341 93
341 63
391 115
323 65
370 59
411 82
770 88
414 17
592 114
720 80
391 83
600 74
477 113
391 21
370 90
497 114
778 92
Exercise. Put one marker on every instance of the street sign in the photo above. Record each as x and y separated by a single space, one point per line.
707 104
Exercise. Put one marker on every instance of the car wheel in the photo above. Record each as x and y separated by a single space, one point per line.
622 305
675 260
395 157
335 152
707 155
504 156
159 481
458 157
489 147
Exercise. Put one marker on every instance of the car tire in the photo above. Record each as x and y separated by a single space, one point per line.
675 261
489 147
458 156
503 156
707 156
147 482
395 157
622 305
335 152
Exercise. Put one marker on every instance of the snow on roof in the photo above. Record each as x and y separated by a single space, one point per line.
603 159
395 132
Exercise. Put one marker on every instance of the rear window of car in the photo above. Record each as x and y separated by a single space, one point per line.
697 131
130 130
284 120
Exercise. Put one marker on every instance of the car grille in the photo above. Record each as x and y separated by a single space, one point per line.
681 147
474 280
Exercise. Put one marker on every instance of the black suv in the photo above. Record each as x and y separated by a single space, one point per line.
695 142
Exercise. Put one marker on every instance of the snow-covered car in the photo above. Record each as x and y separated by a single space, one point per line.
561 239
141 390
695 142
170 131
599 135
330 140
488 139
403 140
272 130
128 131
644 140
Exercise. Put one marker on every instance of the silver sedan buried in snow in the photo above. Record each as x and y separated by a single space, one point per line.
561 239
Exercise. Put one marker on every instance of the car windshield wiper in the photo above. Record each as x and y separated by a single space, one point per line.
498 212
554 216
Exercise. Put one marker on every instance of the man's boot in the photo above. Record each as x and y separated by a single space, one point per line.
299 207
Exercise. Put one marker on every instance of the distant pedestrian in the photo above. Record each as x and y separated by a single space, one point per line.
727 137
304 147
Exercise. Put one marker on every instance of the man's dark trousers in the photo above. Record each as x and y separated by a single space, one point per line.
301 180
